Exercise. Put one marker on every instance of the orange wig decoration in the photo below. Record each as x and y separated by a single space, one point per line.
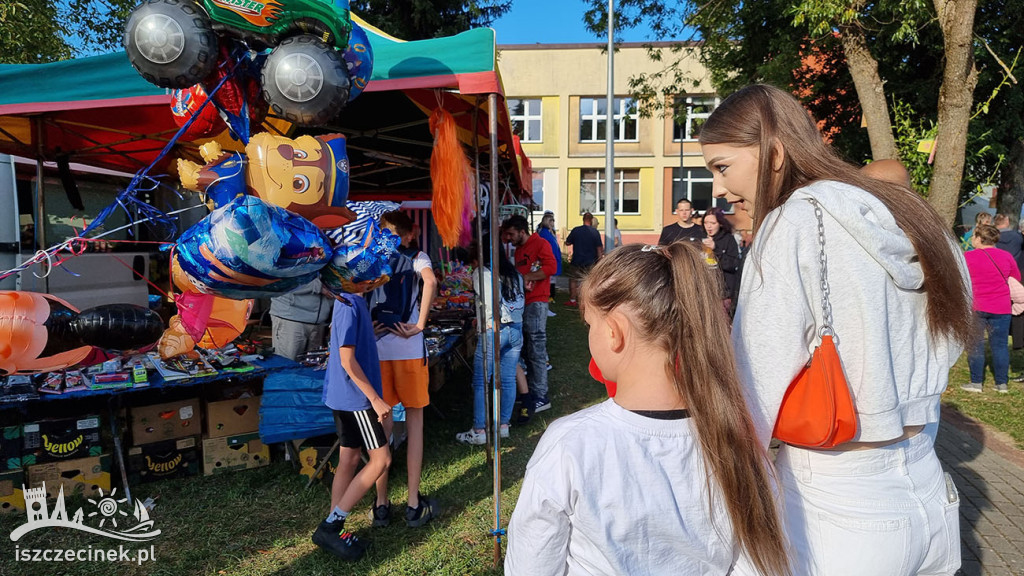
450 173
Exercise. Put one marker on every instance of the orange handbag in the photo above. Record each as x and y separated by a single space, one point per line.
817 409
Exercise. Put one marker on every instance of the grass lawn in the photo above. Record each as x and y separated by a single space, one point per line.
1001 411
259 522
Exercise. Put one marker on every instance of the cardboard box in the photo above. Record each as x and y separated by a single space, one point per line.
160 460
60 440
233 417
11 446
85 476
12 498
234 453
167 421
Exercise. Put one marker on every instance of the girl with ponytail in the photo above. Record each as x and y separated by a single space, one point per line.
667 476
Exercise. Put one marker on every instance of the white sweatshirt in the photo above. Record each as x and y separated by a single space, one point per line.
896 370
611 492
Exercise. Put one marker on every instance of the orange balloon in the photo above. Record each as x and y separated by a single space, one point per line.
227 322
181 280
24 335
175 340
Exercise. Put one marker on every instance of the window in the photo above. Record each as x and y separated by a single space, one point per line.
690 116
525 116
626 193
537 179
594 116
694 184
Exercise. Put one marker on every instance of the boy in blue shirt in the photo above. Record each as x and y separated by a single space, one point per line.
352 388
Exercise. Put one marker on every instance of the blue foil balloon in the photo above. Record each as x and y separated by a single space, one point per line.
364 261
359 59
251 249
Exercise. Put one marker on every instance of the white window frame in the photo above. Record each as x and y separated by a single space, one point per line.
620 118
687 124
526 117
677 176
598 182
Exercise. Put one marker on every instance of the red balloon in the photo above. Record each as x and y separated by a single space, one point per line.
186 104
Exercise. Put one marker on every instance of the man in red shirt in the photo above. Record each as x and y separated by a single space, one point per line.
535 261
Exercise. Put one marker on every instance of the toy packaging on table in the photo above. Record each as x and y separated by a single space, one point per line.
455 291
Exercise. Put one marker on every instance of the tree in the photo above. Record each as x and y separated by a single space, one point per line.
420 19
752 31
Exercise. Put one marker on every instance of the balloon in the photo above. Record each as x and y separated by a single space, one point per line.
358 58
42 333
250 249
204 320
364 263
307 175
175 341
240 97
226 322
185 104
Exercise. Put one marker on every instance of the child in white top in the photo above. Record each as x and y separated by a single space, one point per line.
666 477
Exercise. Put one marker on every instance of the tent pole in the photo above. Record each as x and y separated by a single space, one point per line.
481 315
40 200
492 110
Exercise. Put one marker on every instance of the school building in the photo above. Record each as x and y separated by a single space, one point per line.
557 102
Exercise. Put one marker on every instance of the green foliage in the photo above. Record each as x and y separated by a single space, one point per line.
420 19
910 129
36 31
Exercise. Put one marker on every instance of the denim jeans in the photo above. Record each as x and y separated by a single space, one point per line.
511 346
535 349
880 512
998 326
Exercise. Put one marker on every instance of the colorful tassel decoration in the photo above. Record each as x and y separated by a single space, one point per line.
449 172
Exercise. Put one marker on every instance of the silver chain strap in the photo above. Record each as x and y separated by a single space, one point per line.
826 306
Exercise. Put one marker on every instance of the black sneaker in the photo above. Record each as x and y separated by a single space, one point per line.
541 404
524 412
344 545
427 510
380 515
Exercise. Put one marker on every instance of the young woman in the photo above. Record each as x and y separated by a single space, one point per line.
511 333
878 505
989 268
666 477
721 241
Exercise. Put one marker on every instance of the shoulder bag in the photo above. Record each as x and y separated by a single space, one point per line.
817 410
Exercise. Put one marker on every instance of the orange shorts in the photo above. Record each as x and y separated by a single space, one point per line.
405 381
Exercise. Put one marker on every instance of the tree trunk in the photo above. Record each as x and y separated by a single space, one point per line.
1011 182
956 97
870 91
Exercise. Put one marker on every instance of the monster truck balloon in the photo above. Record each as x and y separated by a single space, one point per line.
174 44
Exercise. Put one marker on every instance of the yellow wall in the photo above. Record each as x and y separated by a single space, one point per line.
560 75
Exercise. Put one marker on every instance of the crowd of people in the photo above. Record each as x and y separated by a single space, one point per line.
698 339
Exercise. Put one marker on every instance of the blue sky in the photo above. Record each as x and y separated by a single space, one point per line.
550 22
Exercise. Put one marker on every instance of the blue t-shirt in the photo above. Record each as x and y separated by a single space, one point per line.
351 326
585 241
555 250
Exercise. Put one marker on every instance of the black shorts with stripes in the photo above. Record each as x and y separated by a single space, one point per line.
360 429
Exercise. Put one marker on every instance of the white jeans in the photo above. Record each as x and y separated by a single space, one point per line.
885 511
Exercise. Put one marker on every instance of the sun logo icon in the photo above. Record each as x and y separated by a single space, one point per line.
107 507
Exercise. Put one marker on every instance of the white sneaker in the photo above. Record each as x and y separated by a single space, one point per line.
551 314
503 431
972 387
471 436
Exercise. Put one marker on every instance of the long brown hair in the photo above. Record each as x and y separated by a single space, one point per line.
767 117
672 298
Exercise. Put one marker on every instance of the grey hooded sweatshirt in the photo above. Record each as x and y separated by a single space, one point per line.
895 368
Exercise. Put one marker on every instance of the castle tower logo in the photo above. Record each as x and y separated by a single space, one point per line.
108 518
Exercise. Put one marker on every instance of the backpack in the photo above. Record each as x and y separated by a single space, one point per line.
393 302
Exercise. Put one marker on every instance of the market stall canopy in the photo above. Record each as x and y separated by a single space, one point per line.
99 111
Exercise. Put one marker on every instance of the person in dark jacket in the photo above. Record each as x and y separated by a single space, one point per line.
723 243
1011 240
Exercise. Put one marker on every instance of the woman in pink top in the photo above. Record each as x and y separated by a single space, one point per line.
990 267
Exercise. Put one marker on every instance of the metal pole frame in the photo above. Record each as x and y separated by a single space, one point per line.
609 133
492 112
481 315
